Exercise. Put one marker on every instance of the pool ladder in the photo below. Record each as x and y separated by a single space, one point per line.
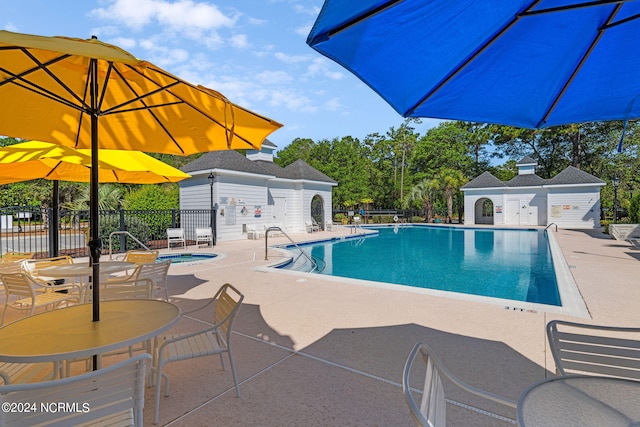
553 223
310 258
126 233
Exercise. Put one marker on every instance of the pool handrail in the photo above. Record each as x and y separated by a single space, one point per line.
128 234
278 229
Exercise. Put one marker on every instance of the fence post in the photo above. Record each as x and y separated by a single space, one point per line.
173 218
54 220
123 227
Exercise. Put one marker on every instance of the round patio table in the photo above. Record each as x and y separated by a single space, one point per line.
580 401
69 333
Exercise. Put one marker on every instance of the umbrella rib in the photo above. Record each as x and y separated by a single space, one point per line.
469 60
622 21
571 7
577 69
45 67
27 85
355 21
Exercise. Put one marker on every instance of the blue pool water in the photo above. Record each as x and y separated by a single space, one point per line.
180 258
509 264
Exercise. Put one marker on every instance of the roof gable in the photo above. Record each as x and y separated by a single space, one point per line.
302 170
573 175
485 180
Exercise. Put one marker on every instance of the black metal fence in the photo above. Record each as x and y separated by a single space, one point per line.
33 229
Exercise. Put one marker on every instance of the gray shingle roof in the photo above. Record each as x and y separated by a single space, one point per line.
526 160
232 160
301 170
226 159
529 180
485 180
573 175
569 176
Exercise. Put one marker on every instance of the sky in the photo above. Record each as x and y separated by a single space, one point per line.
252 51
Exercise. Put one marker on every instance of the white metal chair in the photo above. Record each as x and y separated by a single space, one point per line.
211 341
32 294
204 235
310 227
21 373
253 232
432 409
595 350
328 225
176 236
111 396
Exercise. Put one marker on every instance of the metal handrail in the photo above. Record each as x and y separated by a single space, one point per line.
553 223
128 234
266 246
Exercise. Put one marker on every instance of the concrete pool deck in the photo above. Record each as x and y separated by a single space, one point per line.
318 352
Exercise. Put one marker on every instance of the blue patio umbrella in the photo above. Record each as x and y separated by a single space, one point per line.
522 63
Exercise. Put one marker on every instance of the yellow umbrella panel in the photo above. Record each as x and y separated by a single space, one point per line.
53 87
89 94
36 159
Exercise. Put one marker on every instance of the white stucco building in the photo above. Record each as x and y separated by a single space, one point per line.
254 191
571 199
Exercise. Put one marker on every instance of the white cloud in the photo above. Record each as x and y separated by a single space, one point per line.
292 100
321 66
273 77
183 16
333 104
304 30
124 42
9 26
291 59
239 41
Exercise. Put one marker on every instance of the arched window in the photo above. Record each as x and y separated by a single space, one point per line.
487 208
317 210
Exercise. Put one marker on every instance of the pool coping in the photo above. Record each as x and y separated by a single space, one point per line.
572 302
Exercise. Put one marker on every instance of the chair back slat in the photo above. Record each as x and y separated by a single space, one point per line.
17 284
127 289
141 257
115 393
225 308
595 350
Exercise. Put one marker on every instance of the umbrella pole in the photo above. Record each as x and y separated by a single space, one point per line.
55 219
95 244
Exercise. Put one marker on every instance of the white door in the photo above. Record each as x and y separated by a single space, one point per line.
513 212
280 212
524 213
533 215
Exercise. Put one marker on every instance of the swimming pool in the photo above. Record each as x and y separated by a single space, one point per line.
186 257
507 264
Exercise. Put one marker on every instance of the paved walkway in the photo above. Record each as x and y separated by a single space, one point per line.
318 352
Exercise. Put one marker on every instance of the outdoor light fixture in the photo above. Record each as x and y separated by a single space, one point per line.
615 181
212 224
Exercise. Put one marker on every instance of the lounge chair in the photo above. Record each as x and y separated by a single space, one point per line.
204 235
595 350
176 236
432 409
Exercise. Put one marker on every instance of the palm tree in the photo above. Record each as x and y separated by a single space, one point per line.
450 180
424 193
109 198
